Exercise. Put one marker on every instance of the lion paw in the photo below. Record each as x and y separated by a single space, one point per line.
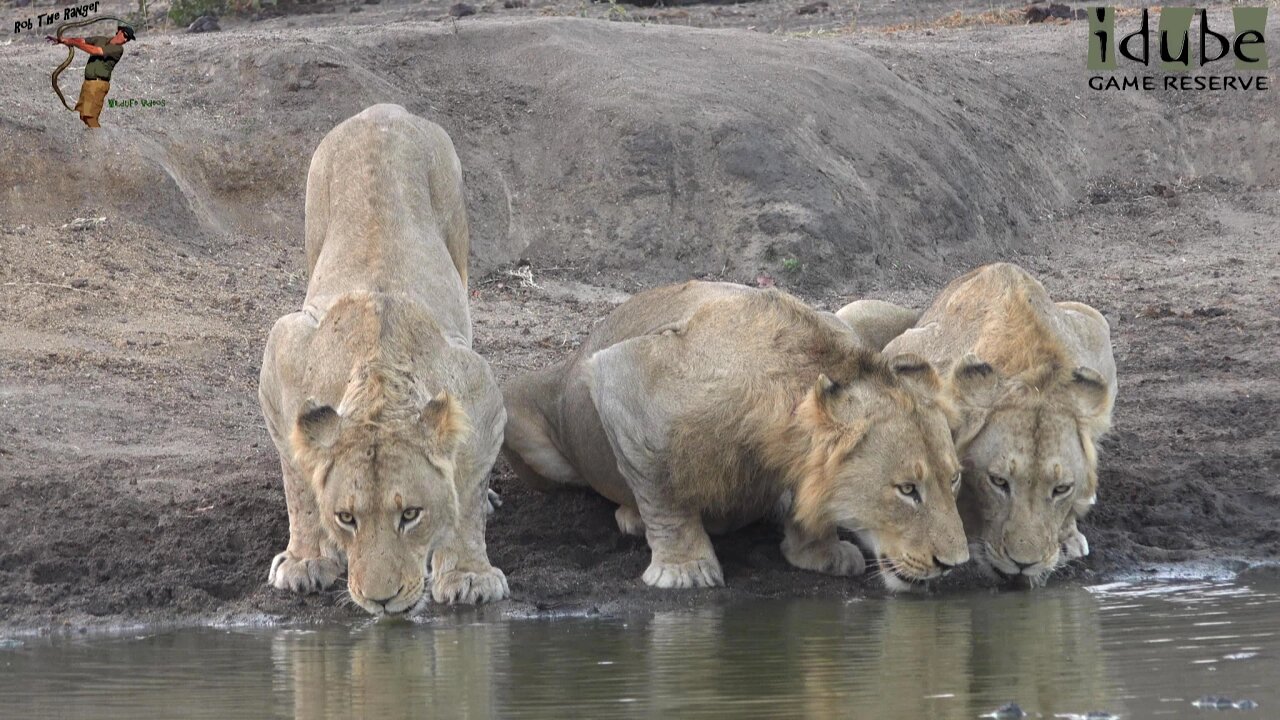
1074 545
464 586
838 557
492 502
629 521
303 575
692 574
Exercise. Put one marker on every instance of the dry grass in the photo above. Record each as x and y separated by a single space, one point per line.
959 19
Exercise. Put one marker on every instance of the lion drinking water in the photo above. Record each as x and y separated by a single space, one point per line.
706 406
1045 383
386 422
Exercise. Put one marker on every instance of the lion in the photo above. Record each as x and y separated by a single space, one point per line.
705 406
1029 438
386 422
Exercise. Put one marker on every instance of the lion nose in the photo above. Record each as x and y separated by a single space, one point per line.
388 599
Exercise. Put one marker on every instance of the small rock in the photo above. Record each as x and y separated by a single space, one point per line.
1008 711
812 8
1246 705
1038 13
1209 312
1062 12
1213 702
512 4
204 23
1162 190
462 10
79 224
79 283
1157 311
764 280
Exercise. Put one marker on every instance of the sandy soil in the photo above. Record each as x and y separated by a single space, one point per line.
137 482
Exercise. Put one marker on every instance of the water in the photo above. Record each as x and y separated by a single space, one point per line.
1140 650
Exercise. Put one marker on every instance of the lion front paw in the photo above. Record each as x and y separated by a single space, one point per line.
492 501
693 574
629 521
1074 545
838 557
464 586
303 575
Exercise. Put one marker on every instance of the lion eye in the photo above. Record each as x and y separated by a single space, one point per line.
410 515
955 482
1060 490
347 519
999 482
908 490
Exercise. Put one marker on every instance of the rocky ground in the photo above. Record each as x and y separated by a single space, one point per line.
141 266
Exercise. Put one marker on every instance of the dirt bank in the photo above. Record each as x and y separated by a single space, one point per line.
137 480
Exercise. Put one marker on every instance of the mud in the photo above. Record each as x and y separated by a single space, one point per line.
137 482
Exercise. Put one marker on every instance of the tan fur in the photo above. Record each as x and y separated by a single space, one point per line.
379 409
715 403
1034 420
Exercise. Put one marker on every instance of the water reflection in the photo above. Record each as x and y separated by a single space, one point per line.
1135 650
906 658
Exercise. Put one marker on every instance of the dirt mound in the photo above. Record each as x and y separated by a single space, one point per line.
653 151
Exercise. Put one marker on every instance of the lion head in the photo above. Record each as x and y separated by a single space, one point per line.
382 466
1028 445
882 463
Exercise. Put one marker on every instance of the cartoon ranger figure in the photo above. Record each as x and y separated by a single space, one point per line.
104 52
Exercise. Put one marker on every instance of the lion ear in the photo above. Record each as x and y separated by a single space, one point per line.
824 390
974 388
973 382
916 373
821 395
446 422
315 430
1091 392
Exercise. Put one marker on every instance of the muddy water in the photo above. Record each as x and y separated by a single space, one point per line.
1135 649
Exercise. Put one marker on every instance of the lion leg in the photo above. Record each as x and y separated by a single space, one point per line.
682 552
460 569
825 553
309 563
528 444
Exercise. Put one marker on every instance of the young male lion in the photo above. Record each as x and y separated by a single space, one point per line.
706 406
1043 386
386 422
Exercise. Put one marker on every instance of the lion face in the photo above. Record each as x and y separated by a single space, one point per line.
894 473
1025 471
385 495
900 486
1030 462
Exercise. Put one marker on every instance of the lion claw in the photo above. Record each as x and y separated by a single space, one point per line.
692 574
471 588
302 575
